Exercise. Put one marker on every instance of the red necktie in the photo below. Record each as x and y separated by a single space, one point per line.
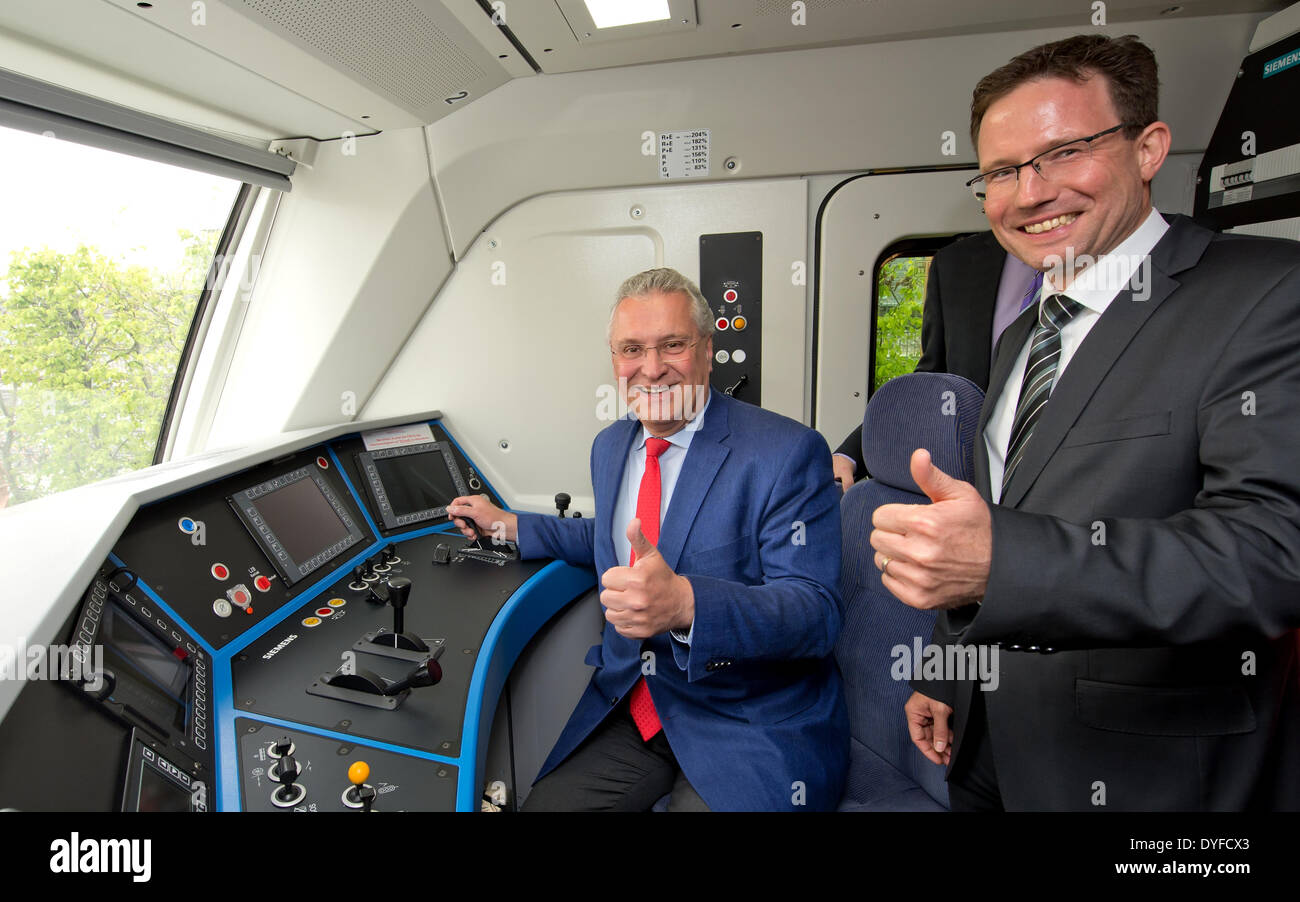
647 511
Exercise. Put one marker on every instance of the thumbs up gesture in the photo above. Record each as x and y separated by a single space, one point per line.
935 555
646 598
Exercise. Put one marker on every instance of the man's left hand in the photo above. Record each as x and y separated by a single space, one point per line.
647 598
935 555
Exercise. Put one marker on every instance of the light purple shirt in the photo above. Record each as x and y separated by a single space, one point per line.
1012 287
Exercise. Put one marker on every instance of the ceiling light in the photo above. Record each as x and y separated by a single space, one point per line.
613 13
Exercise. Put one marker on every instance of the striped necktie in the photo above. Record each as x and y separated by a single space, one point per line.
1040 375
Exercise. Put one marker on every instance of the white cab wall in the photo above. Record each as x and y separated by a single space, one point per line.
355 256
838 109
359 251
514 349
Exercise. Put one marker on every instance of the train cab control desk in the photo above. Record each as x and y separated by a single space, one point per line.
301 631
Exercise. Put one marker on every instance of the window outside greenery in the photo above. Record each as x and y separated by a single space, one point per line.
103 258
900 297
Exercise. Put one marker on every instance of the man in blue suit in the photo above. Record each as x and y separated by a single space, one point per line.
715 680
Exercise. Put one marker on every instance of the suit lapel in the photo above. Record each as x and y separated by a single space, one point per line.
609 482
1179 248
703 460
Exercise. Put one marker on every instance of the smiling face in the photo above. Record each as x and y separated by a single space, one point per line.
664 394
1094 207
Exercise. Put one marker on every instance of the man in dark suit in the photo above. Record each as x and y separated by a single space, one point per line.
973 291
1132 541
715 679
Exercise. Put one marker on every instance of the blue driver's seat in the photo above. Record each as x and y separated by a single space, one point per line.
938 412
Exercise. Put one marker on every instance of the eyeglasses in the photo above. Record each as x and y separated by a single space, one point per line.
1052 165
672 349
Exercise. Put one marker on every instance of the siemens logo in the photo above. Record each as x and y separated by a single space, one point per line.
275 651
1286 61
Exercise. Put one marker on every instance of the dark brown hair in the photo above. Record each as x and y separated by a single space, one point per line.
1128 64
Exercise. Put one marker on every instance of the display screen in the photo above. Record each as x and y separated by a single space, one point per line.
158 679
301 518
298 520
413 483
158 793
416 484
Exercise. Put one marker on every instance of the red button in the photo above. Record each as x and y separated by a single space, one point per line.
324 612
220 571
241 598
722 324
322 463
730 295
262 584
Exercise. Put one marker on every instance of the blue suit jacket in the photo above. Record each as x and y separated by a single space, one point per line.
753 708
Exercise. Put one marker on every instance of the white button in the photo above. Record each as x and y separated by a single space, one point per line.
722 357
739 356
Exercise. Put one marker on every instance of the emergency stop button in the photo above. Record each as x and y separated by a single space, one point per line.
241 598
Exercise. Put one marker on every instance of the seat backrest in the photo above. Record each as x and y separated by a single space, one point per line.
938 412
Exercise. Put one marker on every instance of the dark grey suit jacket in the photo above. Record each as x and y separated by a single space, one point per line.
1151 539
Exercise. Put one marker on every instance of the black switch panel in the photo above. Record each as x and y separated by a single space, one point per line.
731 278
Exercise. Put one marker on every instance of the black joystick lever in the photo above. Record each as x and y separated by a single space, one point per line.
427 673
390 554
397 593
290 792
562 500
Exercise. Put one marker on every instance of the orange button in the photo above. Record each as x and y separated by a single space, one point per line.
739 323
336 602
311 621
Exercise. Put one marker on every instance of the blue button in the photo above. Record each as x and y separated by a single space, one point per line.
187 525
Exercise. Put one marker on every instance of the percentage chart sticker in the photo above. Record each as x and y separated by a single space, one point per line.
684 155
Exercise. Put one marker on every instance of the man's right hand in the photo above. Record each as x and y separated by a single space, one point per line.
843 468
492 521
927 720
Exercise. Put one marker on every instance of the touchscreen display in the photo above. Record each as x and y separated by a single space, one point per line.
302 519
416 483
412 483
157 678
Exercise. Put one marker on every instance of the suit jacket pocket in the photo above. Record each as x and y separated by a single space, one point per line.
1163 710
1140 426
718 561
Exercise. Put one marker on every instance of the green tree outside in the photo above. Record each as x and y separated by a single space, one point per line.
900 294
89 349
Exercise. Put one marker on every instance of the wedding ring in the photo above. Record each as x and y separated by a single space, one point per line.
884 566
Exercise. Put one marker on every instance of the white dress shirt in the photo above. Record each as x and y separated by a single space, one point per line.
1094 288
670 467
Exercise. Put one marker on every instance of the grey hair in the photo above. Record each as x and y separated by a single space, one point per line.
664 281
